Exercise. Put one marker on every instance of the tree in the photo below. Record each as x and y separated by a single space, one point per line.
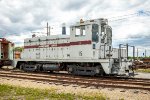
19 49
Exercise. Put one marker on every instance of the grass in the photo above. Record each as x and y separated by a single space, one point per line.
144 70
8 92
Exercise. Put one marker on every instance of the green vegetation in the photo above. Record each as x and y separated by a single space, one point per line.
19 49
14 93
143 70
139 57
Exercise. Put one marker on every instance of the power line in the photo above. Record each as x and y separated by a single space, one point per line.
124 17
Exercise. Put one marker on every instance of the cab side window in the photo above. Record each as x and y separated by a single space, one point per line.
95 33
80 31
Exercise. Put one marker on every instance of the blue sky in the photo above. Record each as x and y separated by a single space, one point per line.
20 18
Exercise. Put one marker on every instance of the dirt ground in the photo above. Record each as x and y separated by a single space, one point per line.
142 75
112 94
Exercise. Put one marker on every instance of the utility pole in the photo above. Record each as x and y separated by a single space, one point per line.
145 52
47 28
127 50
133 53
137 53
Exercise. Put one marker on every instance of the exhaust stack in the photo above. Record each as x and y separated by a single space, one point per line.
63 29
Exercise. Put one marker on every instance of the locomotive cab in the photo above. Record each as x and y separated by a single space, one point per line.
95 37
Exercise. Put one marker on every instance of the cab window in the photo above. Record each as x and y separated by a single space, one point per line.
102 33
109 35
80 30
95 33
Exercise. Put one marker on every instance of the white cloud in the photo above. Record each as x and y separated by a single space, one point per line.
28 18
18 39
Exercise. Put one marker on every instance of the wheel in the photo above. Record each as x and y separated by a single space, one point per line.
38 68
22 66
101 71
70 70
51 71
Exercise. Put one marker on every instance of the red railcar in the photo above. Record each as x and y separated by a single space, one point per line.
6 52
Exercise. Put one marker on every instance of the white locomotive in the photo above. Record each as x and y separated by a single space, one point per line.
86 51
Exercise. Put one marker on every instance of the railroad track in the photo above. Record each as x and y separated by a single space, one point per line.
131 83
67 74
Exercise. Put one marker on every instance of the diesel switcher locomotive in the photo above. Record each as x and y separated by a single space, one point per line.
86 51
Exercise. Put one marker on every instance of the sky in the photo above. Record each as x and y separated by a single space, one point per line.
129 19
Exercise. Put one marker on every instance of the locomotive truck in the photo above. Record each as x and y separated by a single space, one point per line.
86 51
